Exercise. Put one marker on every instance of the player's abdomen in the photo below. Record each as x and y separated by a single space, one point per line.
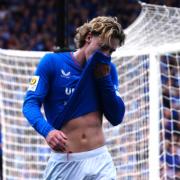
84 133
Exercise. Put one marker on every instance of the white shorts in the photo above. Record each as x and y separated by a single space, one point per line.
96 164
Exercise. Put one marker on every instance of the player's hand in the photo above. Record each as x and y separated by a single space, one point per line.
57 140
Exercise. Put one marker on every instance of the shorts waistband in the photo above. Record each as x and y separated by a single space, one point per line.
78 156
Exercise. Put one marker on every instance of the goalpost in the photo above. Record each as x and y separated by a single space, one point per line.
146 145
148 142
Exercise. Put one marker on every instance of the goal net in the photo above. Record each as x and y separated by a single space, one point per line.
24 152
146 145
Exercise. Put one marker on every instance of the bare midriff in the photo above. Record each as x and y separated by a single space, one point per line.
84 133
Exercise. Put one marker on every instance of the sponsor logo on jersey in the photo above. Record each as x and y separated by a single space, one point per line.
65 74
33 83
69 91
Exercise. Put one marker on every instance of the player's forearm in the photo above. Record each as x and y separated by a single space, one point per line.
31 110
113 106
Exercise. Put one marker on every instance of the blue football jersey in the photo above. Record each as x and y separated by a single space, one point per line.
66 91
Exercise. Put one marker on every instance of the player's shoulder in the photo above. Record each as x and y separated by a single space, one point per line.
56 57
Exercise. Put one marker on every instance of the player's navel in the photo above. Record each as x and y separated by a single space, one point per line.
83 136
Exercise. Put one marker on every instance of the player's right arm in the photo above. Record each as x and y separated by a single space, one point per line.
107 84
35 96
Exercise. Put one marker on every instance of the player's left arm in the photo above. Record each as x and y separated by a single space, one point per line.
107 84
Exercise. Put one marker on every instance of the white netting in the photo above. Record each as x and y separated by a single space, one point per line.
155 26
128 142
153 39
24 152
170 116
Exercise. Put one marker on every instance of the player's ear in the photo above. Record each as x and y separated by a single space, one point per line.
88 38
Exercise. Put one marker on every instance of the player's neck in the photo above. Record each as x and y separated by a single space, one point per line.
79 55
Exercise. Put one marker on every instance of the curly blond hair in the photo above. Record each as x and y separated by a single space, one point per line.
103 26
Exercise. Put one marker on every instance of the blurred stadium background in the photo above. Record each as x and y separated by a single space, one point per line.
147 144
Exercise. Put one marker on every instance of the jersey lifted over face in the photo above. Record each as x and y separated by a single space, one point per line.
65 89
